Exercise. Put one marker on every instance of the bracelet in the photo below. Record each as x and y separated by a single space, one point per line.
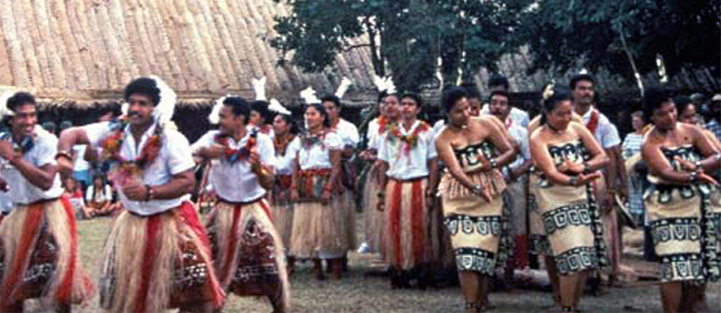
150 193
477 190
64 154
573 181
697 164
494 163
586 168
693 177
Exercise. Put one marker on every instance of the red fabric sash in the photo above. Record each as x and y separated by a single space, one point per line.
593 122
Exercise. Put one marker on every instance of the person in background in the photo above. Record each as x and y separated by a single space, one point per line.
99 197
74 193
631 149
50 126
499 82
714 123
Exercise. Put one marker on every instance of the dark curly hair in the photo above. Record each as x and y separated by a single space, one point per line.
144 86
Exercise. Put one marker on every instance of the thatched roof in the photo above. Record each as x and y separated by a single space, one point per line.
87 50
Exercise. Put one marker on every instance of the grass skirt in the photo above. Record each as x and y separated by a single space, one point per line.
157 262
282 208
374 219
39 257
407 243
248 254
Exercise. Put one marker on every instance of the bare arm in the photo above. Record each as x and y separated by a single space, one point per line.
542 158
599 159
446 155
42 177
179 185
499 137
68 138
335 158
659 166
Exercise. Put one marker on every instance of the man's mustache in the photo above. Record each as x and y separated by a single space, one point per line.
133 113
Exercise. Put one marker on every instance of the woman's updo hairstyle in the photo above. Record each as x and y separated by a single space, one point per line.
552 96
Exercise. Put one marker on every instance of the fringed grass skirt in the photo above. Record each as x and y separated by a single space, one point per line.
407 229
479 230
248 253
573 225
319 231
38 251
157 262
684 233
282 208
349 213
374 219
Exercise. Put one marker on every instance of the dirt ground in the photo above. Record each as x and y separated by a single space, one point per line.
360 293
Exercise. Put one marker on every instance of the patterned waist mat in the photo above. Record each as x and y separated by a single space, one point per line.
315 172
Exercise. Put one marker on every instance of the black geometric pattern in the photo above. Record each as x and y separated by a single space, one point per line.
685 267
570 215
577 259
477 260
482 225
675 229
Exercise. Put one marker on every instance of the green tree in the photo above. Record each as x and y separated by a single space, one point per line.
406 37
624 36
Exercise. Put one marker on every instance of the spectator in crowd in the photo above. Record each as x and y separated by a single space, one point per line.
50 127
99 197
631 149
715 109
499 82
75 195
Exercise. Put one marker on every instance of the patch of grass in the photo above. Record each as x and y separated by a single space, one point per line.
357 293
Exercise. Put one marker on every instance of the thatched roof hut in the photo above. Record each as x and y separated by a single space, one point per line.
85 51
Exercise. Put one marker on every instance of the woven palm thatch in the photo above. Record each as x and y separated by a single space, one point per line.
87 50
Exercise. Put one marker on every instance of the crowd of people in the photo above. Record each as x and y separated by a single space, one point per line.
486 192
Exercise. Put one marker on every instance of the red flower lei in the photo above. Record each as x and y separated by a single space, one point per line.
394 133
234 155
111 150
382 124
281 143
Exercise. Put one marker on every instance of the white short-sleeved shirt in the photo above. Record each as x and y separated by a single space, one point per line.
236 182
285 164
105 195
438 128
42 153
372 134
520 134
414 164
79 163
175 157
318 155
6 204
517 115
606 133
348 133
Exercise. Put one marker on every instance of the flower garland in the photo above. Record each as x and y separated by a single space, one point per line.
111 150
308 140
233 155
27 143
281 143
383 124
395 134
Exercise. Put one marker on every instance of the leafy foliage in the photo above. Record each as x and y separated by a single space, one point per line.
406 37
563 32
